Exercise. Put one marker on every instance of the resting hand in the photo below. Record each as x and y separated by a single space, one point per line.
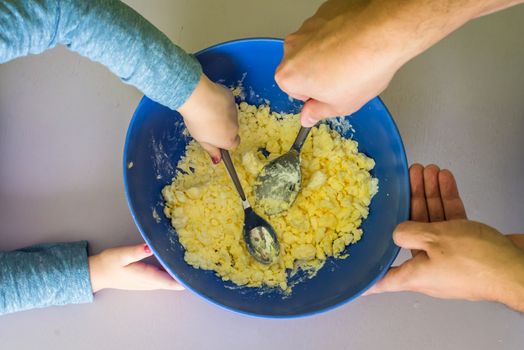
121 268
452 256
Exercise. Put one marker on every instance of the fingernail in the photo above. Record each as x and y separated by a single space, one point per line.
147 249
215 160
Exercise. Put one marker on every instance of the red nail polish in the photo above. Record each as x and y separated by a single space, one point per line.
215 160
147 249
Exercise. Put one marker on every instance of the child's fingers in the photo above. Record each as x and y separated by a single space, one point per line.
130 254
151 277
214 152
168 282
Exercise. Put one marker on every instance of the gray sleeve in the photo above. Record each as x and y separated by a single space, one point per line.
105 31
44 275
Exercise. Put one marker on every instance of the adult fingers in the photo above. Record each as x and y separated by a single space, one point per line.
419 209
517 239
300 97
400 278
432 191
314 111
451 201
414 235
288 78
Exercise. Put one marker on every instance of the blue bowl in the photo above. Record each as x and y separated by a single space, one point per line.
155 142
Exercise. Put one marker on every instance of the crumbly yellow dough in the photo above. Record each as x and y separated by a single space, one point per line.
207 214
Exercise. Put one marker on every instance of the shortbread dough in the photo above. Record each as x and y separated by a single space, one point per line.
207 213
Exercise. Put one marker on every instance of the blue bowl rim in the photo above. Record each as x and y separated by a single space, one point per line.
214 302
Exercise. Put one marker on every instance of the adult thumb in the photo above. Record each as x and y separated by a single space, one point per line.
399 278
314 111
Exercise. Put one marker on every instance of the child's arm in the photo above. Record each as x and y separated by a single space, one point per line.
110 32
106 31
44 275
59 274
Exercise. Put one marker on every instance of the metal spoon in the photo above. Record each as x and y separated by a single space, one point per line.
278 184
261 240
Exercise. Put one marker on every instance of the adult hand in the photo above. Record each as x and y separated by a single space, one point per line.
348 51
453 257
121 268
335 62
211 116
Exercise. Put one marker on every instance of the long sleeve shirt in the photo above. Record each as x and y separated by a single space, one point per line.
113 34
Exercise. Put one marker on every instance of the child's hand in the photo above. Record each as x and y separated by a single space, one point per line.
211 117
121 268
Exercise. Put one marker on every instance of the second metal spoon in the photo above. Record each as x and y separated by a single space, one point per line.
278 184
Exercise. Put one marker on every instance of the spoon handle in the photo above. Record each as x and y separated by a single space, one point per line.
301 138
233 173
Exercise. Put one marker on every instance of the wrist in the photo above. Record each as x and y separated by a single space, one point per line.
413 26
201 97
498 5
511 293
96 273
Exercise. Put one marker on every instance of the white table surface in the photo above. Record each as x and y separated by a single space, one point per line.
62 126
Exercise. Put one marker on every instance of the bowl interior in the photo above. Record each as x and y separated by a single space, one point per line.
155 142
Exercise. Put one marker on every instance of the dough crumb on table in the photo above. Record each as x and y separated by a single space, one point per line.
206 211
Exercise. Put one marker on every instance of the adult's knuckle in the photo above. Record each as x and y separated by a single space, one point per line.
290 39
282 75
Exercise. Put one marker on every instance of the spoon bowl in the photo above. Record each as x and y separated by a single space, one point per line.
278 184
261 239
